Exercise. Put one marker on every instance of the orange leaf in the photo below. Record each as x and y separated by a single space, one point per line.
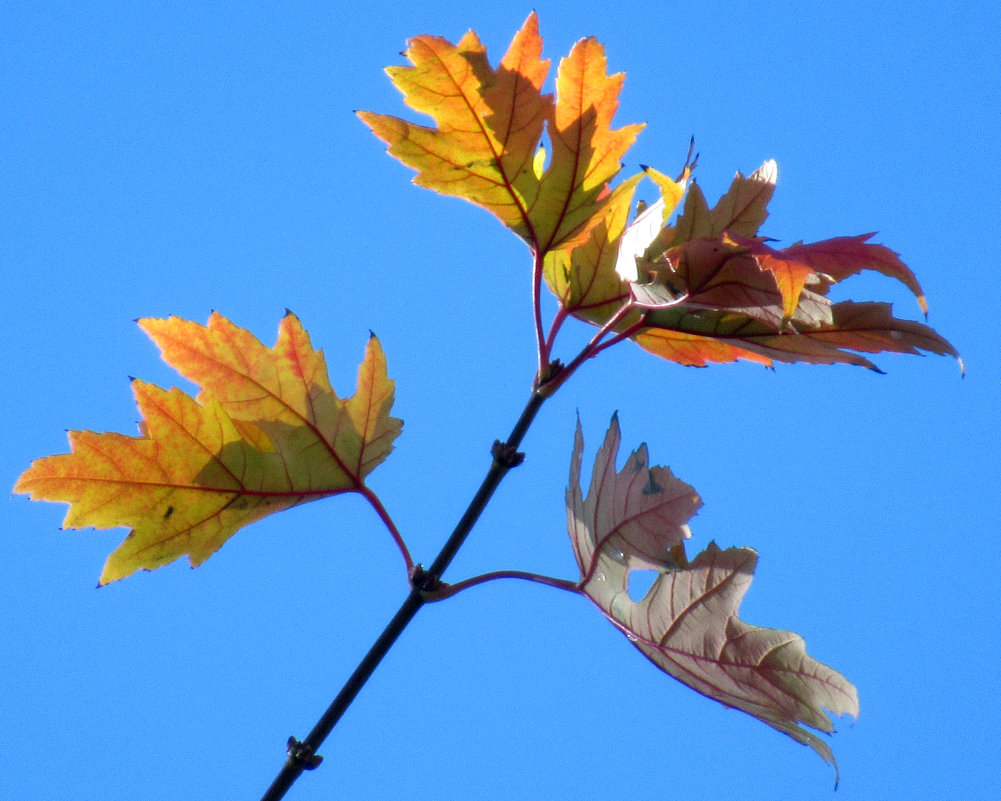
489 127
687 623
694 350
489 122
267 432
698 338
587 152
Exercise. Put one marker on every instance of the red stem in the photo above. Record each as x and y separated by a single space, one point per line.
394 532
595 346
448 590
543 345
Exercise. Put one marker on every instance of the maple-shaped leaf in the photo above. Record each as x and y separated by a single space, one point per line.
266 432
687 623
727 293
489 124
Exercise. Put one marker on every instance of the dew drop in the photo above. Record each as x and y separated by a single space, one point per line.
618 556
599 576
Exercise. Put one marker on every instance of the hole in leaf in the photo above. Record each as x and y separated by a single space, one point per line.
640 582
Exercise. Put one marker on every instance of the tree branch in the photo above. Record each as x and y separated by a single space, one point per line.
302 753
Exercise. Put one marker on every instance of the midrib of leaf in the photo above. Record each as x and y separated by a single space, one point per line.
506 182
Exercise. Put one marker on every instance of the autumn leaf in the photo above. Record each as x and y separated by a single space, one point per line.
489 126
727 293
707 288
584 278
686 623
266 432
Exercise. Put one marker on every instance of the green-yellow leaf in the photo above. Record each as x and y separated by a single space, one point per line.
266 432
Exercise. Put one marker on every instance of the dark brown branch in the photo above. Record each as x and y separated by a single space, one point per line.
302 753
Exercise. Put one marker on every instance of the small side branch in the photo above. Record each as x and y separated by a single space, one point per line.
448 590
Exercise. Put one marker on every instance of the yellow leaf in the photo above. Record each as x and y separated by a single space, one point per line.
489 122
485 146
266 432
584 278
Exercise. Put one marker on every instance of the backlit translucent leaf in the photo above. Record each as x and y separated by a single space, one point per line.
738 297
266 432
485 145
585 279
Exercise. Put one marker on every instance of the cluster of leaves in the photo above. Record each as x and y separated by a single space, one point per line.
267 431
707 289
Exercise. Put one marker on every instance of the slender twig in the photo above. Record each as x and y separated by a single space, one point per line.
558 319
302 753
448 590
594 346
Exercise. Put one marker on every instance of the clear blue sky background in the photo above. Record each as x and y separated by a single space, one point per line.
165 158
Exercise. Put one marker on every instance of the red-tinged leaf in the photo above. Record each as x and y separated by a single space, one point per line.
266 432
788 274
695 221
635 516
744 207
687 624
742 210
836 259
709 289
725 275
865 327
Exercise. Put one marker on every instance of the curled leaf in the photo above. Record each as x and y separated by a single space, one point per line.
687 623
736 296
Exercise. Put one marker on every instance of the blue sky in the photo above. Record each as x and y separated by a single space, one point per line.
161 159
